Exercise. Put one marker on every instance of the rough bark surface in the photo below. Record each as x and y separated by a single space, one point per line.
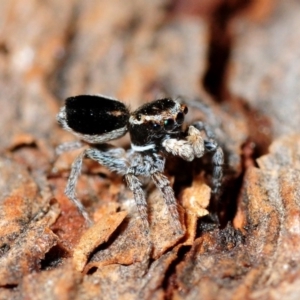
235 64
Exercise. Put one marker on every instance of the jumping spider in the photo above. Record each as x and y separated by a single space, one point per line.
155 130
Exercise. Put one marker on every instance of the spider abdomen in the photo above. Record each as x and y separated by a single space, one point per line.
92 115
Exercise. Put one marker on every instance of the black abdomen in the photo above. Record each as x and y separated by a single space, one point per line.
95 115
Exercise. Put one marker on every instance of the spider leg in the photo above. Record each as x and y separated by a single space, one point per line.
68 146
218 161
135 186
114 158
206 128
70 190
210 145
111 158
163 184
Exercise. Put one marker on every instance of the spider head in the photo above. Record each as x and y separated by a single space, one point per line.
155 120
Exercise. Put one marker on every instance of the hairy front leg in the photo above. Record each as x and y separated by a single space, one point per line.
112 158
70 190
163 184
135 186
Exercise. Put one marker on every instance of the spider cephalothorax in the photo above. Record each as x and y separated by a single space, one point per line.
155 129
155 121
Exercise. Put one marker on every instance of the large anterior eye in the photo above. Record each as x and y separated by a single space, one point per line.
169 124
180 118
185 110
155 126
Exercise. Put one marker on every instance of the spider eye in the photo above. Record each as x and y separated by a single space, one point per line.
185 110
180 118
155 126
169 124
139 117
